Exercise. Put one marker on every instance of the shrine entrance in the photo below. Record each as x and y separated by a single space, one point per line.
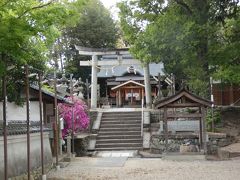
129 94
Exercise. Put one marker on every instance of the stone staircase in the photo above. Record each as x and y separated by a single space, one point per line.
120 131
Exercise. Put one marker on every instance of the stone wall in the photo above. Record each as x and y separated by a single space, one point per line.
17 153
216 142
175 143
183 135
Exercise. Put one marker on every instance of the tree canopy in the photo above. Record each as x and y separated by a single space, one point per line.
27 29
95 28
195 39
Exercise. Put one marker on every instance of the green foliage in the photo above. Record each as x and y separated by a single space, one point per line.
27 29
187 36
95 28
225 52
48 88
214 115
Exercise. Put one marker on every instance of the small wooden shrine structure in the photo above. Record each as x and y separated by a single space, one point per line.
184 100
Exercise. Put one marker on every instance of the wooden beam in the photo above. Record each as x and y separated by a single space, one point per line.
131 87
112 62
196 115
180 105
101 51
165 127
200 130
204 131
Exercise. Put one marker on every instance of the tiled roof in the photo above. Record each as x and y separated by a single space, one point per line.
44 91
109 71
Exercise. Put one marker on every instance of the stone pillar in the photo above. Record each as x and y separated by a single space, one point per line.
69 153
147 86
94 82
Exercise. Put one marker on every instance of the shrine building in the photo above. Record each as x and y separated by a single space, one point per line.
124 84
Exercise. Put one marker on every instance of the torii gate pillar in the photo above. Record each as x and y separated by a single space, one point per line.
147 86
94 82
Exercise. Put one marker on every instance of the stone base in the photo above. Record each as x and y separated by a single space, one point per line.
69 158
188 148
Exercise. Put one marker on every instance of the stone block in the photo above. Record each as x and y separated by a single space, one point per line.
146 139
146 117
188 148
223 155
91 144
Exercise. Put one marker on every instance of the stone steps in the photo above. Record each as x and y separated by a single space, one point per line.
121 118
122 113
118 148
119 131
118 136
120 125
121 122
119 144
102 141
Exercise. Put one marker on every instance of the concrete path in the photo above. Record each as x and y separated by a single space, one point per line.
126 153
147 169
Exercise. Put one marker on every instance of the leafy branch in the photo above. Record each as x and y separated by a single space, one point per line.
35 7
185 6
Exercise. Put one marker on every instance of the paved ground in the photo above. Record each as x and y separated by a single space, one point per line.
143 168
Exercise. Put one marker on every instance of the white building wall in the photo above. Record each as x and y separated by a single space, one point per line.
18 113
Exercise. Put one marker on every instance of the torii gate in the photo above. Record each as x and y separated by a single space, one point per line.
95 62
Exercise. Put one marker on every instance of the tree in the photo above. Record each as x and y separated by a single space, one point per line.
183 34
27 30
225 50
95 28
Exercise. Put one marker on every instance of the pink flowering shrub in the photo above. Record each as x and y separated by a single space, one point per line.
81 119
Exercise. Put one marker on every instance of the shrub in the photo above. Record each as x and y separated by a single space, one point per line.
81 119
215 116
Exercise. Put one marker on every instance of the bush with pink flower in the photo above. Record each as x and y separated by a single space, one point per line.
80 116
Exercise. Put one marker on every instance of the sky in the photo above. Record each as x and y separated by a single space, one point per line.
111 5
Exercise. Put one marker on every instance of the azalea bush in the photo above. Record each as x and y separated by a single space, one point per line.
81 119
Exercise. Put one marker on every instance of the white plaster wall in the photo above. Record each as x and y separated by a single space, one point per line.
17 153
18 113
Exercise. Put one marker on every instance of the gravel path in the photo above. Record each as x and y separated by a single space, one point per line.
141 169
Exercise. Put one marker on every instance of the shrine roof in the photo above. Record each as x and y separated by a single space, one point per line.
192 98
128 82
119 71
